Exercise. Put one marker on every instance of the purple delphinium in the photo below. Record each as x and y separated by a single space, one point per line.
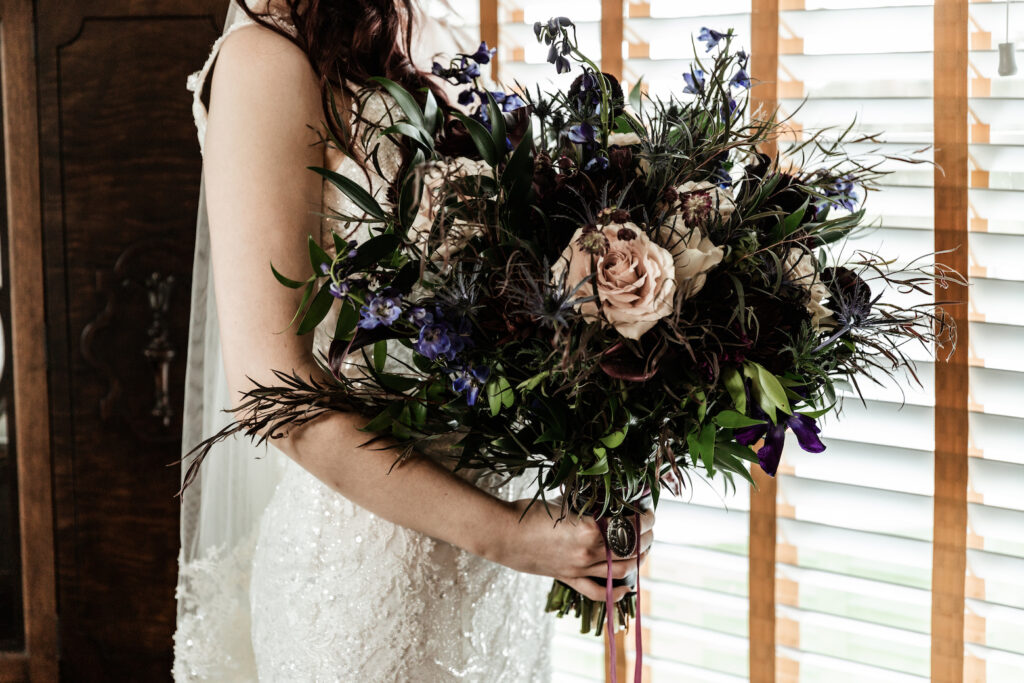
694 82
582 133
469 381
434 340
598 163
711 37
382 308
339 290
483 54
740 79
805 428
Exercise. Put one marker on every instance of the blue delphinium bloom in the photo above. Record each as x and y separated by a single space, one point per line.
805 428
844 192
470 68
728 108
467 97
420 316
338 289
382 308
740 79
483 54
470 381
582 133
562 65
694 82
434 340
598 163
710 36
508 101
742 58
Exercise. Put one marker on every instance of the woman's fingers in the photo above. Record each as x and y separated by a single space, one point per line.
620 568
595 591
646 521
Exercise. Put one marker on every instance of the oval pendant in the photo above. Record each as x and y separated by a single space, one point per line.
621 535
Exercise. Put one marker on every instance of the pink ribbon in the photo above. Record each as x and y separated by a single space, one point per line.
609 605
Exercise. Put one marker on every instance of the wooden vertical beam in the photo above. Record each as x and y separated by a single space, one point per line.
764 69
611 37
28 329
489 30
949 550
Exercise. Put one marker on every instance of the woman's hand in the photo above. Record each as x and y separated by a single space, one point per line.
570 550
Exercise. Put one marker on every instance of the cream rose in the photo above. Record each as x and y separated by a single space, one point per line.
699 200
798 267
693 255
623 139
635 277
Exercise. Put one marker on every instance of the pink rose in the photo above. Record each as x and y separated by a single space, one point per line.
635 277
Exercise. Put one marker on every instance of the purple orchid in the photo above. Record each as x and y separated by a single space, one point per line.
804 427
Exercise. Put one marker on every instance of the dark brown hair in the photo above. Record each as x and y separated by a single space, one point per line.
347 43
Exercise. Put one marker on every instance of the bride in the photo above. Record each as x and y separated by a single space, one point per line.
312 559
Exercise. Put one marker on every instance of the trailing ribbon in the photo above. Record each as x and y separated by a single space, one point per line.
609 605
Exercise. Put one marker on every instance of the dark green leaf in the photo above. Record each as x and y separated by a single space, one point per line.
735 420
431 113
498 132
347 319
733 381
373 250
481 138
403 98
380 354
357 194
413 133
317 311
287 282
317 256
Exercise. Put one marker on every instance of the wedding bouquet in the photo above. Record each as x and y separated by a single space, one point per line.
612 293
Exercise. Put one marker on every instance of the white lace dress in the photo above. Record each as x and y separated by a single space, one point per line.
339 594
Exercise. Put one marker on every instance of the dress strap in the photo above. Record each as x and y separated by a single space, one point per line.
197 81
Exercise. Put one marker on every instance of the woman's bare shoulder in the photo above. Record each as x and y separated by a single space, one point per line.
267 75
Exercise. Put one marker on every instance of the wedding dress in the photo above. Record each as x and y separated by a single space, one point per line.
283 579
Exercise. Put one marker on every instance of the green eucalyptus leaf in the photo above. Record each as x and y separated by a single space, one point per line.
636 95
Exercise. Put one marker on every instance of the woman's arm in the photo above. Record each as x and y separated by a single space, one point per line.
263 204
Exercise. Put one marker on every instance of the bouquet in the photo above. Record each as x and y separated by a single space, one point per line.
609 293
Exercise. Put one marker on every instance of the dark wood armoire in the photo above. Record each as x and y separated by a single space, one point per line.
101 171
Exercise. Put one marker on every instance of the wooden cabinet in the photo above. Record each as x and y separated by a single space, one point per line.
109 254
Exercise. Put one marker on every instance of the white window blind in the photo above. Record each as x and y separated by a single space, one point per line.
994 618
854 559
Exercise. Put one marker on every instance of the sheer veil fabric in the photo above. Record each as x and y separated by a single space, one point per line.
221 510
